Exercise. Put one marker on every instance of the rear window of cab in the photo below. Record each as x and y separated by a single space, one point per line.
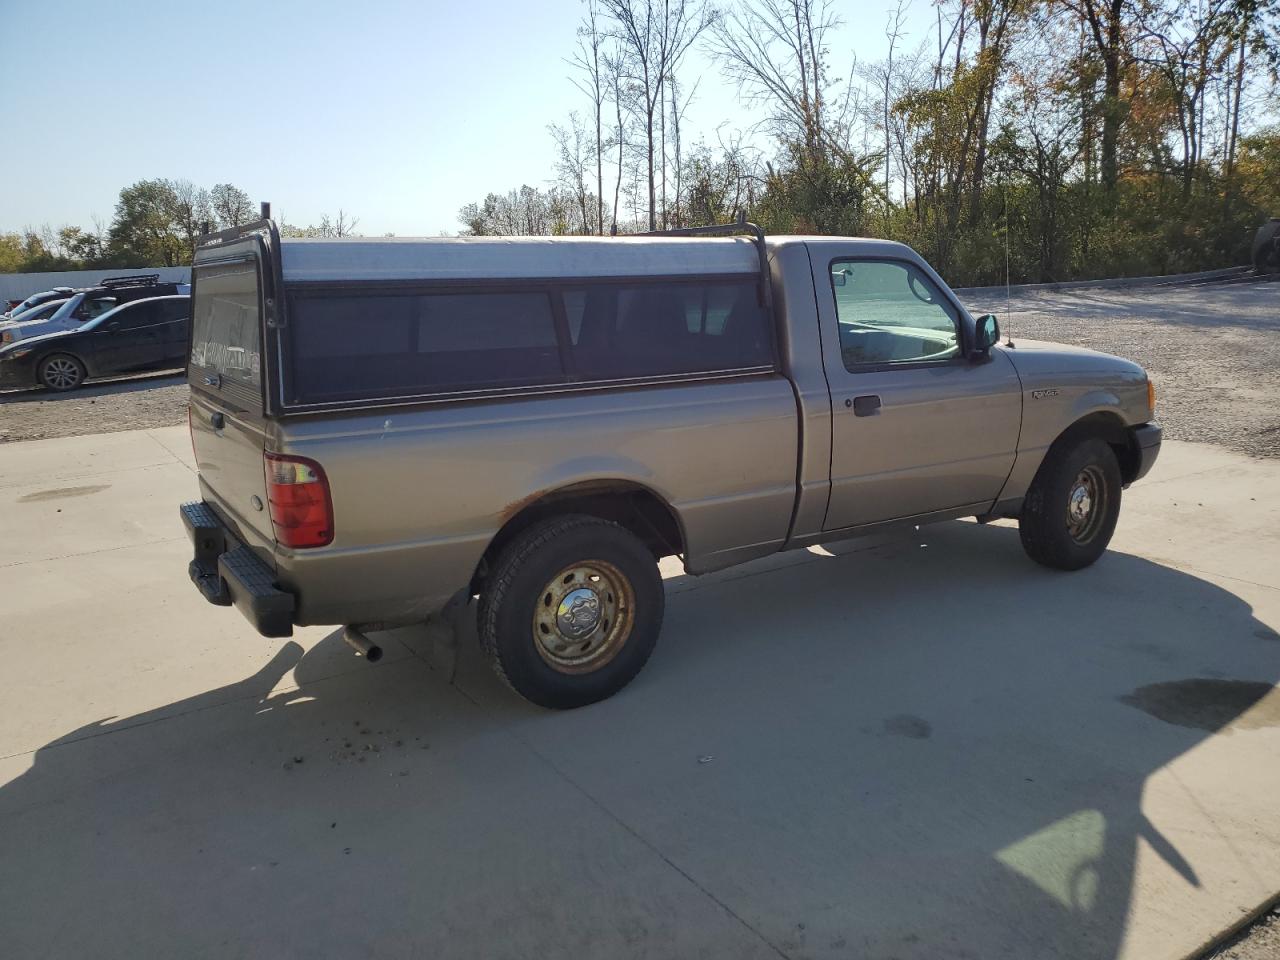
348 344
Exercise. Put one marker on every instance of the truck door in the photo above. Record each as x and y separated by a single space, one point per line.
917 426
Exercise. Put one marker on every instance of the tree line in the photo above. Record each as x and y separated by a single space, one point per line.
157 223
1064 138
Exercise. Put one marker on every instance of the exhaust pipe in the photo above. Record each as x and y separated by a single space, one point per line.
361 644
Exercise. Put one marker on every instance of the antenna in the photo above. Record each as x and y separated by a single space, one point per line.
1008 290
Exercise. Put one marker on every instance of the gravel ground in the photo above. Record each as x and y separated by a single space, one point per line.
1213 350
1259 942
102 407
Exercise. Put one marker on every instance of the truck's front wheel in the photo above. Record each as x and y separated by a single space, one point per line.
1071 508
571 611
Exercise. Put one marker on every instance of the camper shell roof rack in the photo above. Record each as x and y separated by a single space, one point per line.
740 226
263 225
219 237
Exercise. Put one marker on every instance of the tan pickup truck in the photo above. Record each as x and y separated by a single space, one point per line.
385 425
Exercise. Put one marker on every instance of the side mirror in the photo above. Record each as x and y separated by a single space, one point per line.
839 277
986 335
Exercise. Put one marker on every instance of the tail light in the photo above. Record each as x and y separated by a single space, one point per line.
298 494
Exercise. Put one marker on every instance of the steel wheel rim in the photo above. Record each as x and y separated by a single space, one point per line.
61 373
583 616
1086 504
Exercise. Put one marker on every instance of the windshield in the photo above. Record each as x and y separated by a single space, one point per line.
42 312
66 307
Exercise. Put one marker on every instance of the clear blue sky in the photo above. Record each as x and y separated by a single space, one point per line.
399 112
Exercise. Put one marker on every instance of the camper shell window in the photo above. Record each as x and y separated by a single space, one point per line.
350 343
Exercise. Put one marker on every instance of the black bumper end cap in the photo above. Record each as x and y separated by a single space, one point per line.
1146 440
228 573
253 591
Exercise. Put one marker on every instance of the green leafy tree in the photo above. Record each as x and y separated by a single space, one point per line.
12 254
146 228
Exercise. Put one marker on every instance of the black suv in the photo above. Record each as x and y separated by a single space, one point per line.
114 291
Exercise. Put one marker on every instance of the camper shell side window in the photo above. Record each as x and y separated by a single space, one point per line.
364 343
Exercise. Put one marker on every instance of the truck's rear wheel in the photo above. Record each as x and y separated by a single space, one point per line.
571 611
1071 508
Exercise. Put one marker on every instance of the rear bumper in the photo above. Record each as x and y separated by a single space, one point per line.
1146 442
228 573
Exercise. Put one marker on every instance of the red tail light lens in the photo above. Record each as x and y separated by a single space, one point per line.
298 494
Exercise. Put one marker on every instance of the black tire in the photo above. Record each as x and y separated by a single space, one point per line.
1052 534
60 372
519 597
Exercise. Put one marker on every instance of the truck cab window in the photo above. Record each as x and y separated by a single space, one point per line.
890 312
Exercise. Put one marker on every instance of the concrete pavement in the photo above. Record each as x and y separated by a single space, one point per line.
920 746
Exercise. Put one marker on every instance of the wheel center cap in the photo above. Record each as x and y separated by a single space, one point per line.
1081 503
578 613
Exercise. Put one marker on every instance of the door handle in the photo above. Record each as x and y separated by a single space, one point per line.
864 406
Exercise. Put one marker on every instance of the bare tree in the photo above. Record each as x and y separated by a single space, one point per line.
776 52
620 93
1109 23
654 36
342 225
719 188
1193 45
525 212
994 19
191 210
587 59
678 109
231 206
882 76
573 163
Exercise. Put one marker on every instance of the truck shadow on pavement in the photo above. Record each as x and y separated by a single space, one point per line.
928 748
